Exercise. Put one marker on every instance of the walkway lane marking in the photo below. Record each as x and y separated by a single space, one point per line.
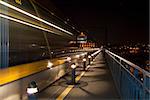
69 88
65 92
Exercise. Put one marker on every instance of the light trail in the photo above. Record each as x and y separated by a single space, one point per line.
35 17
25 23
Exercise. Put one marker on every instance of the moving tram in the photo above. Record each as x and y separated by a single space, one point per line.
29 32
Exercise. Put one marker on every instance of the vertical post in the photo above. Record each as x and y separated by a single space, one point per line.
92 58
89 59
32 90
4 41
73 81
84 64
73 76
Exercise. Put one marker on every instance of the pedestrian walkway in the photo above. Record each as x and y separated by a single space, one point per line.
95 83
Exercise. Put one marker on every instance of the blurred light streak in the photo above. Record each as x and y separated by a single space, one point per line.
25 23
30 15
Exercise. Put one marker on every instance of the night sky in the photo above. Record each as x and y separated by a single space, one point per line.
116 21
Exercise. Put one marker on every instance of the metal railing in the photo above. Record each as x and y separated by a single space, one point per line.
131 81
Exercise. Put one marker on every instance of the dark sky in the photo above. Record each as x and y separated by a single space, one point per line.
118 20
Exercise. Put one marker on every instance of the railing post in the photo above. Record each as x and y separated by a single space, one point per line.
146 85
136 73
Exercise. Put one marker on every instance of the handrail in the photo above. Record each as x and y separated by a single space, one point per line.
96 52
131 81
129 63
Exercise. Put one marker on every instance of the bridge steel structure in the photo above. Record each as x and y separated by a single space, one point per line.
131 81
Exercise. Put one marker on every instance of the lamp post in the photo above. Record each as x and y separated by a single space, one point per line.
84 64
92 57
89 59
32 89
73 81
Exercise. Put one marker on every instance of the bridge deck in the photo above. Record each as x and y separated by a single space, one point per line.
96 83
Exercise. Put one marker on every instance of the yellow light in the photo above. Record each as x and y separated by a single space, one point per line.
18 1
35 17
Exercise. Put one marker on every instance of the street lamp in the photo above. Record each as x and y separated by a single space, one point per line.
84 64
73 81
32 89
89 59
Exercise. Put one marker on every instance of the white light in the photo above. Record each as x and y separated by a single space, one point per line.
88 66
68 58
91 62
35 17
77 56
32 90
50 64
83 54
84 59
89 56
73 66
25 23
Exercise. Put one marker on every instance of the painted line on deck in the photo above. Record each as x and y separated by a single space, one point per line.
69 88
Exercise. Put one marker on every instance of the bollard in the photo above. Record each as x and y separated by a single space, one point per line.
92 57
32 90
84 64
89 59
73 81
